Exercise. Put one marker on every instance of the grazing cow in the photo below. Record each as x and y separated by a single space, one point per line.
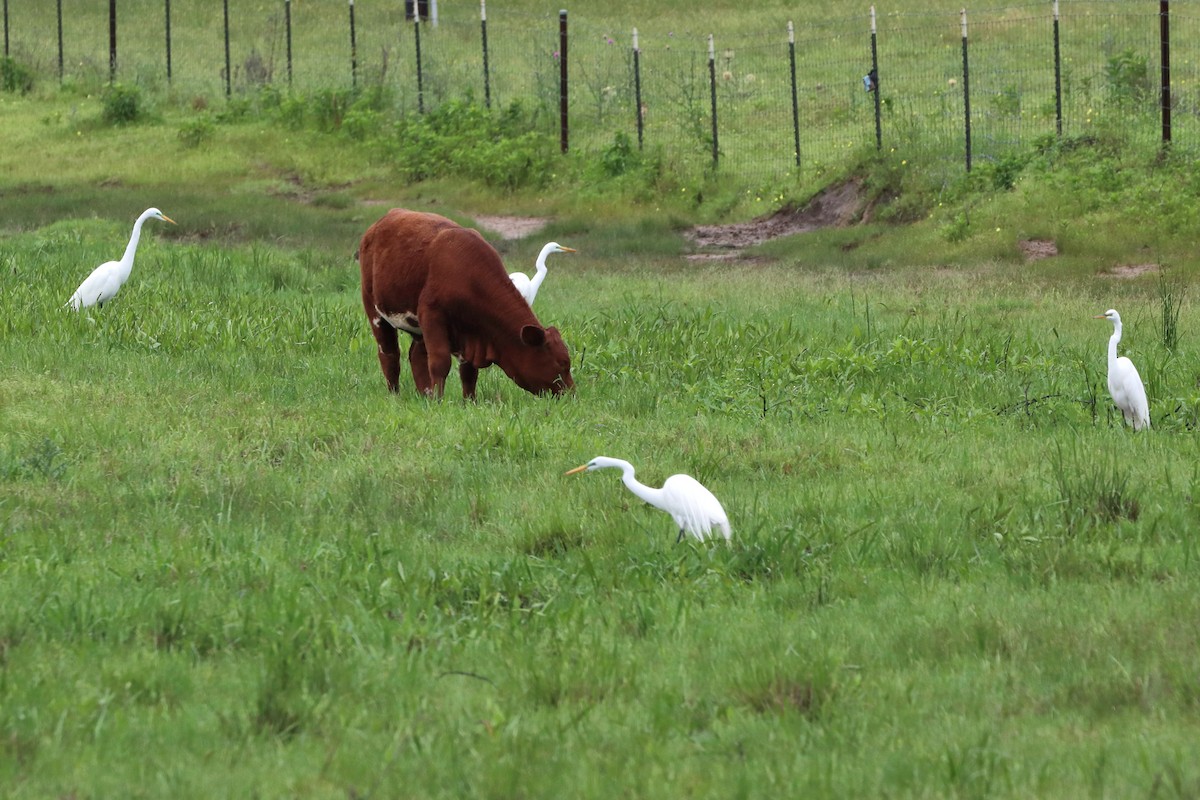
444 285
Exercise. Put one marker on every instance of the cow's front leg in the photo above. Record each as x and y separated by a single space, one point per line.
389 352
468 373
437 350
418 362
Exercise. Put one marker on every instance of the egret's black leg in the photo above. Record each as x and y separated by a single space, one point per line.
680 539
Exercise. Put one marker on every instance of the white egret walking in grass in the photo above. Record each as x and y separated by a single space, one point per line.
1124 383
694 508
106 280
528 287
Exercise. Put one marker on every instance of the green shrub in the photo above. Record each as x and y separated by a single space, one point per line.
15 77
122 104
462 138
196 131
367 118
292 111
620 157
1128 76
329 108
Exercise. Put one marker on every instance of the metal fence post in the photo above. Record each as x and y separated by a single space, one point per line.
6 28
966 91
795 95
167 17
875 85
712 86
1057 75
228 70
487 77
417 38
563 106
353 51
112 40
287 24
637 87
60 41
1164 39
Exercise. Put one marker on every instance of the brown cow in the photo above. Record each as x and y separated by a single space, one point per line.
446 286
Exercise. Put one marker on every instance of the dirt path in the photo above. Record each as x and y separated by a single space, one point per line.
837 206
512 227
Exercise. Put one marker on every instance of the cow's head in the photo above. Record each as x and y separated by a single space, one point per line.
542 363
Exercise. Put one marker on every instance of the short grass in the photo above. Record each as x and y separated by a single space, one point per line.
231 564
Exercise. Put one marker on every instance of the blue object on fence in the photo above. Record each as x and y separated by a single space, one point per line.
870 81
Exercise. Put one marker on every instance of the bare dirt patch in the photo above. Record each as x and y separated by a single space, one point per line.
1037 249
1130 270
837 206
512 227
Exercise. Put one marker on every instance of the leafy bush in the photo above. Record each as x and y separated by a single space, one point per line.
465 139
292 112
196 131
366 118
620 157
15 77
1128 76
329 108
122 104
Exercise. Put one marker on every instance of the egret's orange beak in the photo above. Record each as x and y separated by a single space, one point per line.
1100 316
569 249
577 469
168 219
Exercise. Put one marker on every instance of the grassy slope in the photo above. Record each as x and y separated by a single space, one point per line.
231 564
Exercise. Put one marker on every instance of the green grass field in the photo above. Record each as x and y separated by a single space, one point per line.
232 565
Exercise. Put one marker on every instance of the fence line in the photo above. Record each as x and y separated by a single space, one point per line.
767 106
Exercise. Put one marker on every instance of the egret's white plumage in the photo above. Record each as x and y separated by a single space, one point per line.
1124 382
528 287
694 508
105 281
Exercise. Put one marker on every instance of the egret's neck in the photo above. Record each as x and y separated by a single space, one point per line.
647 493
1112 344
540 275
131 248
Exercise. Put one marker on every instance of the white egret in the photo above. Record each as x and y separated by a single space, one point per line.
528 287
694 508
105 281
1124 383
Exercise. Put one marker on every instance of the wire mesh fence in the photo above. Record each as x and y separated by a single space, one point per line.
950 88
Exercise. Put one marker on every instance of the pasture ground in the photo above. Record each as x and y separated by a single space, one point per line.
232 565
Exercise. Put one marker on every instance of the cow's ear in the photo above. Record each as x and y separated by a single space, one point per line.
533 336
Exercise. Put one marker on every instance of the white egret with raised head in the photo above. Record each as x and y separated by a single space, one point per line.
106 280
528 287
1124 382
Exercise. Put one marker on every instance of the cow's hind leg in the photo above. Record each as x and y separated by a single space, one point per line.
389 352
418 361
